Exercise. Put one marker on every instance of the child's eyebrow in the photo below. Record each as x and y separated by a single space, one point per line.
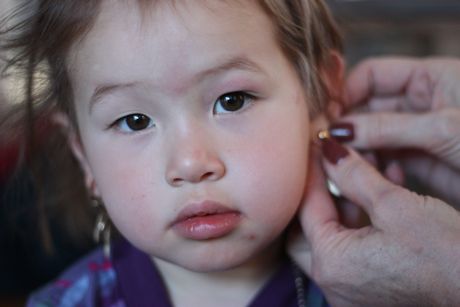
103 90
235 63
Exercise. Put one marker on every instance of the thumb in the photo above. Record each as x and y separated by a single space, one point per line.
356 179
317 215
317 211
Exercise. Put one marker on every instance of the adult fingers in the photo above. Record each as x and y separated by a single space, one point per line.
379 77
357 180
405 83
317 213
435 132
400 84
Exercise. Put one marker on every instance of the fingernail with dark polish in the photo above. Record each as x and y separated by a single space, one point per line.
342 132
333 151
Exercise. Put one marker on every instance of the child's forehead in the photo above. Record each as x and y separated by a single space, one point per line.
148 13
122 18
170 44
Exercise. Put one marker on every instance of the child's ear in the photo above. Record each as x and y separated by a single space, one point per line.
333 74
73 140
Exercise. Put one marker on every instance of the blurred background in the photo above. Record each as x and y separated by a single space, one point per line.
404 27
370 28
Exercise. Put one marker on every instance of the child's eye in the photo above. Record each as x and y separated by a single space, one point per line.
133 122
232 102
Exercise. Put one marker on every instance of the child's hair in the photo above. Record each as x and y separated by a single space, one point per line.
43 32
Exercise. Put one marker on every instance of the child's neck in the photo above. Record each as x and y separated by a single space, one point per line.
234 287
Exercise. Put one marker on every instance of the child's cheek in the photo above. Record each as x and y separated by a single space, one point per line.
271 167
127 186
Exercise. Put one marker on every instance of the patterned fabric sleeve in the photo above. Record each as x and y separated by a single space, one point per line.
90 282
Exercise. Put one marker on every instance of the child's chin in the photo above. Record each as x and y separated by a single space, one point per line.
214 263
208 265
220 256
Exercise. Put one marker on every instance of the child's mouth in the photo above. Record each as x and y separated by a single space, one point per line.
205 221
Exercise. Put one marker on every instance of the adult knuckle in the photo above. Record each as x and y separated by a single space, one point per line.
327 264
367 68
368 63
424 200
376 129
445 133
387 196
326 275
448 123
400 206
429 203
350 171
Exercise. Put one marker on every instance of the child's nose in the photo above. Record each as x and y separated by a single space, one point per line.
194 163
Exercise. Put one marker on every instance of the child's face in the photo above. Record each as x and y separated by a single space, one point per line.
221 129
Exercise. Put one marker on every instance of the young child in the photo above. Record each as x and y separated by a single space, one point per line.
191 121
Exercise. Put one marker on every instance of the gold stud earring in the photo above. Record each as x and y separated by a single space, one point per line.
323 134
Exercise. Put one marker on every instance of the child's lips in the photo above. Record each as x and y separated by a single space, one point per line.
206 220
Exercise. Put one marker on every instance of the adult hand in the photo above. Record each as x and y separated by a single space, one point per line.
408 256
415 104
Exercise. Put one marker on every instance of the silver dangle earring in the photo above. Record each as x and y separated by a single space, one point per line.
102 229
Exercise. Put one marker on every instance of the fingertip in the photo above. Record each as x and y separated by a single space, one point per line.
357 180
342 131
332 150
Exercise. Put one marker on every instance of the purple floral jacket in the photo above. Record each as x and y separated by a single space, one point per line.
130 278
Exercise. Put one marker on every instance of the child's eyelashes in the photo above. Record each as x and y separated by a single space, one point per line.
133 123
232 102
